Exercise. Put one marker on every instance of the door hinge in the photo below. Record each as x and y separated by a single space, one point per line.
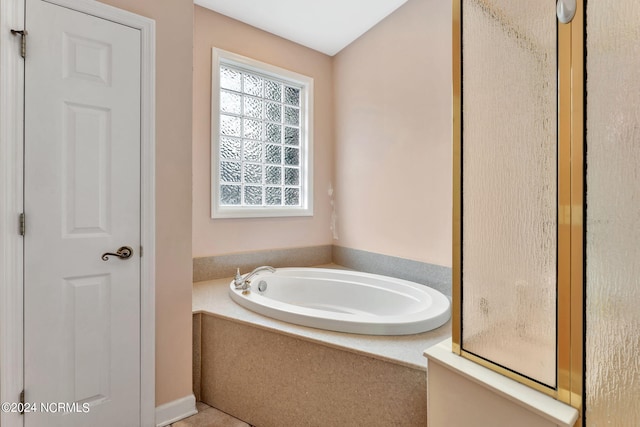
23 41
22 402
21 224
140 251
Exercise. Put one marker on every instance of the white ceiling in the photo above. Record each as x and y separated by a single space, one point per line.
324 25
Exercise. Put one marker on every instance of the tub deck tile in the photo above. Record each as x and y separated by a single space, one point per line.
211 297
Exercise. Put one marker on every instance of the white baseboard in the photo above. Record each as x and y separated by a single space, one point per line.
175 411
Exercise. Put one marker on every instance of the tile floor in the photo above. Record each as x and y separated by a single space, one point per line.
209 417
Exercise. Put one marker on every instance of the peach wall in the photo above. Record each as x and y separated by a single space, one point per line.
393 136
174 58
223 236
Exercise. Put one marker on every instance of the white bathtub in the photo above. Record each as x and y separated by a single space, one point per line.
345 301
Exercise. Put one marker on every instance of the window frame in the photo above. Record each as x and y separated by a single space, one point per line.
222 57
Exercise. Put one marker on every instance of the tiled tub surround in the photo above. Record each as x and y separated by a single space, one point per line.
434 276
217 267
271 373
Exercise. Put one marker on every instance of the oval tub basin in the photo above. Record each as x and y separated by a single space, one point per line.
345 301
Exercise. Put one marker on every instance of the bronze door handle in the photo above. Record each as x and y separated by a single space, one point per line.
124 252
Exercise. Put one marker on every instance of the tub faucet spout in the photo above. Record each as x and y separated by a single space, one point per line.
244 282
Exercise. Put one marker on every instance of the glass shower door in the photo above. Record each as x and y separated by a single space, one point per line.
509 161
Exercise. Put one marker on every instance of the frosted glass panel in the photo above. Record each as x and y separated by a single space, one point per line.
252 129
273 90
273 195
612 382
509 184
252 107
274 132
252 151
229 125
253 195
291 116
230 102
274 112
291 135
230 194
274 175
230 171
292 196
230 79
292 96
230 148
274 154
252 85
291 176
291 156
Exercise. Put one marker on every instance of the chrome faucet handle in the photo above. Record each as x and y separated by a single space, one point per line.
237 280
243 282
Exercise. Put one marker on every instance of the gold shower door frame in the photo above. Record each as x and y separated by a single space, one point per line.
571 176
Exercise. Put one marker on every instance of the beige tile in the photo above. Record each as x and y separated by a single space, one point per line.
270 379
209 417
201 406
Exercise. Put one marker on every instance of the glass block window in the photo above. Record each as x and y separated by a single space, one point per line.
261 139
260 123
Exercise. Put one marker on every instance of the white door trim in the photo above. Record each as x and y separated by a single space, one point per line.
11 184
11 200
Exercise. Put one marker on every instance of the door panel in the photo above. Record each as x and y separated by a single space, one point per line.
85 191
82 199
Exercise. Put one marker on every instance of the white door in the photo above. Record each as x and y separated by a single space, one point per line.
82 199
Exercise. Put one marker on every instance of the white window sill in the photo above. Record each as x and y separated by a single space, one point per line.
260 212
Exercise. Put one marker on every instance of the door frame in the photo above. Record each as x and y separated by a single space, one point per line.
12 202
